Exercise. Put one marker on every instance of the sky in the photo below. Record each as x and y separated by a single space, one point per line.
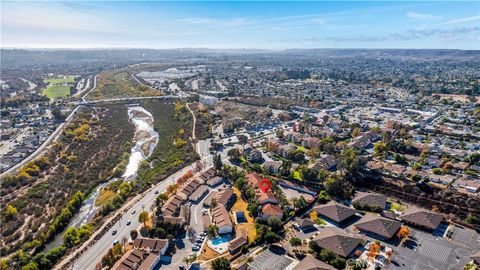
234 25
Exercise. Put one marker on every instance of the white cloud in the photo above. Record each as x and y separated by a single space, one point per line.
422 16
462 20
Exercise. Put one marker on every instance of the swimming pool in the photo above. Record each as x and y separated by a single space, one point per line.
220 243
220 240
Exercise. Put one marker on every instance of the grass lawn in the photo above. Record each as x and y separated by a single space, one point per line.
66 80
396 207
54 91
249 227
58 87
105 196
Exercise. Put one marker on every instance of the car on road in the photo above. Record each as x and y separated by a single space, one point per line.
114 232
129 222
115 242
133 212
156 192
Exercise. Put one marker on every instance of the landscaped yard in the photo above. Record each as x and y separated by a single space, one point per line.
249 226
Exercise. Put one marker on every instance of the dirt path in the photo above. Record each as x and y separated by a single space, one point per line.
194 121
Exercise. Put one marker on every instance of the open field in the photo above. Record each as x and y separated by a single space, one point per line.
58 87
56 91
119 83
66 80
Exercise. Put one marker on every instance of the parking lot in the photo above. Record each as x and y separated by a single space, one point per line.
272 258
465 237
424 251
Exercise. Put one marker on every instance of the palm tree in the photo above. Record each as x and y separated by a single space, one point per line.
190 259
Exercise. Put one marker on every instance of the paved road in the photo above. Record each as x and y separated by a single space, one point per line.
42 147
51 138
95 253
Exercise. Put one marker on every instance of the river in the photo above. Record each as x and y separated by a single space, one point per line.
145 139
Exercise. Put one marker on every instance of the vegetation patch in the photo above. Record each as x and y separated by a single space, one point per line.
120 83
59 87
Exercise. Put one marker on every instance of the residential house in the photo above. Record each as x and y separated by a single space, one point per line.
326 162
469 185
254 155
372 200
135 259
214 181
310 263
237 243
377 226
224 197
285 150
157 246
273 145
272 167
335 212
221 218
198 193
446 179
422 218
311 142
294 137
337 241
271 210
304 224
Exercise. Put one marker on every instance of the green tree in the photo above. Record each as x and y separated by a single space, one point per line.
133 234
349 162
217 162
190 259
30 266
10 212
380 149
275 223
221 264
71 237
212 230
234 154
338 263
271 237
295 241
143 217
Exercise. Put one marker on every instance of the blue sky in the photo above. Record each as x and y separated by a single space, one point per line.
263 25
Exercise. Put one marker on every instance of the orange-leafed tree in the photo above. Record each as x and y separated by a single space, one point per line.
403 232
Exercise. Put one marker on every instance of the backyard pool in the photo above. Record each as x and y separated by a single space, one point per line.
219 243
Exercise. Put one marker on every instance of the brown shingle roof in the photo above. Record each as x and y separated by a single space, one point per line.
154 245
335 211
371 199
310 263
378 225
337 241
422 217
237 242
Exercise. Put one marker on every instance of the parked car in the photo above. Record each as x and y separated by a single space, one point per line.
114 232
133 212
115 242
129 222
